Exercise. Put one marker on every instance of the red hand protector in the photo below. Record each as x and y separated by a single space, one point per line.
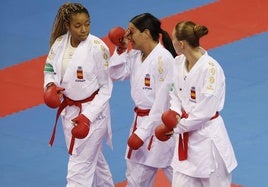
163 133
81 129
134 142
169 118
52 96
116 36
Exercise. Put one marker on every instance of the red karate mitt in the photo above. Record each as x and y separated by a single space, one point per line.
169 118
134 141
81 128
163 133
116 36
52 96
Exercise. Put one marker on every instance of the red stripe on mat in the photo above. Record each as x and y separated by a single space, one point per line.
21 86
227 20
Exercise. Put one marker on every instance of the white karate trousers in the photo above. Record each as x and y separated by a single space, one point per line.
139 175
219 178
87 166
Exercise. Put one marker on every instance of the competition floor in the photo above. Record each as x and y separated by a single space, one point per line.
238 39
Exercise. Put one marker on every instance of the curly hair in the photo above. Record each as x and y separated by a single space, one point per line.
63 17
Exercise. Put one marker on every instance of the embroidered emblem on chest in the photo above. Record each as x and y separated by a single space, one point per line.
79 72
193 94
147 80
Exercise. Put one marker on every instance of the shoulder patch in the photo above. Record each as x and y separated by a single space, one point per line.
48 68
160 65
96 41
212 76
171 89
59 38
160 69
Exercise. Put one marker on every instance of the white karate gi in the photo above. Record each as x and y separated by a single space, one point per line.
201 93
150 82
86 72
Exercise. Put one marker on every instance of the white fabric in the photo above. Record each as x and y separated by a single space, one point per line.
91 56
89 167
67 56
201 94
139 175
220 177
150 81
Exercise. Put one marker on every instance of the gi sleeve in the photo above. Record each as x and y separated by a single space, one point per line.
119 66
163 74
101 100
175 101
49 68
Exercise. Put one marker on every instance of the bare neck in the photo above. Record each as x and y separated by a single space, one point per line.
192 57
148 49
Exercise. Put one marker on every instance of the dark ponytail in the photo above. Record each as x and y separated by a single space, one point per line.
148 21
167 42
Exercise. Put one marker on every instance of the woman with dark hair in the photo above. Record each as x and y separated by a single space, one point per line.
76 81
148 65
203 156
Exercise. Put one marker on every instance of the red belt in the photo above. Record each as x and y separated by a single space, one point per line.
139 112
184 138
69 102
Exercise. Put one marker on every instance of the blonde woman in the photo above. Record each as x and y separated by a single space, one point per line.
204 155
